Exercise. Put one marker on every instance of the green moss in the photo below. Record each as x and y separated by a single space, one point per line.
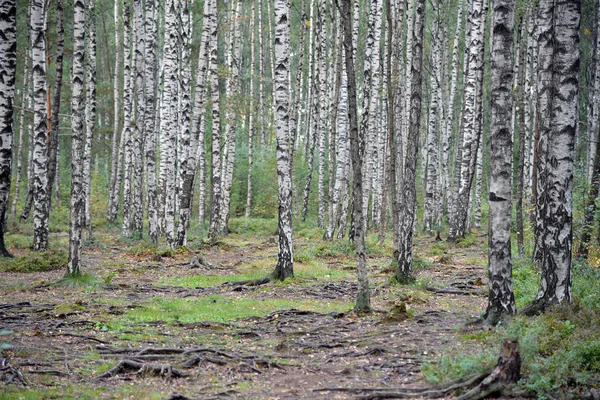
37 261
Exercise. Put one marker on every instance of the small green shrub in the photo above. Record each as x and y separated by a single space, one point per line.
37 261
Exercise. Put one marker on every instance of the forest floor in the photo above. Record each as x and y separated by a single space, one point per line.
171 325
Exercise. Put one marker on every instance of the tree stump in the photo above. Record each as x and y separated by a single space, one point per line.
504 375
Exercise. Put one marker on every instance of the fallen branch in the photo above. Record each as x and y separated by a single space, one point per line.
456 291
126 365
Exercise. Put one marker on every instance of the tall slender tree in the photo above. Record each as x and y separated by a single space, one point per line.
558 82
285 255
113 202
470 139
8 68
149 118
501 299
40 163
90 109
53 136
77 140
357 149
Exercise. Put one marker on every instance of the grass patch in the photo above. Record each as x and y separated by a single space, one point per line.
85 280
207 280
36 261
222 309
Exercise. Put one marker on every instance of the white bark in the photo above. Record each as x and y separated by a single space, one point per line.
285 257
151 27
90 110
169 120
40 178
77 140
558 82
8 68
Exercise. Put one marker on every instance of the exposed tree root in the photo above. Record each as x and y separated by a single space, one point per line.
126 365
457 291
9 374
501 381
410 393
251 282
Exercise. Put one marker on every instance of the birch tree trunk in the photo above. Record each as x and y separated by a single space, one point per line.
169 121
594 102
357 148
261 73
8 69
216 194
126 135
501 299
407 218
230 126
189 140
53 136
149 118
251 107
470 139
431 188
139 55
40 162
323 101
285 257
450 112
116 158
77 140
335 169
90 109
529 108
558 81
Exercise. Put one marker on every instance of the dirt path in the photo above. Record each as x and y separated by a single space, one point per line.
66 341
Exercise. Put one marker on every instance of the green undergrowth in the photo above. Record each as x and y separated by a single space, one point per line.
35 261
560 349
218 308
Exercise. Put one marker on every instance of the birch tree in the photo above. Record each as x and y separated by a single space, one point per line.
126 135
285 257
230 126
216 193
90 108
54 121
501 299
139 115
113 202
251 110
357 147
8 68
470 140
431 189
558 81
196 152
169 118
409 203
40 162
149 118
77 140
